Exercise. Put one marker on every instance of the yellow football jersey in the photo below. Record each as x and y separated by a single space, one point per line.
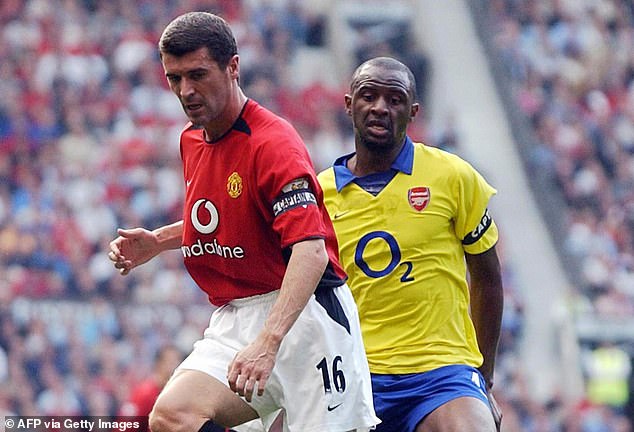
403 250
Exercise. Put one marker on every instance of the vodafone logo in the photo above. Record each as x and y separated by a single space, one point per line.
210 226
204 216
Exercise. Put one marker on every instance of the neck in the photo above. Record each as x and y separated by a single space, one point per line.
218 127
369 161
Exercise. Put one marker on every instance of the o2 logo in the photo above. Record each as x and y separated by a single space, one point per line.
213 217
395 252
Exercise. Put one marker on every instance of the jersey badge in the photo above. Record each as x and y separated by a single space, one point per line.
297 184
419 197
295 194
234 185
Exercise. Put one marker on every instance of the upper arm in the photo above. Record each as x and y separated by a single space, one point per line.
485 266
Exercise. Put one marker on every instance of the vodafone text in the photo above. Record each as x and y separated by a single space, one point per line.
212 248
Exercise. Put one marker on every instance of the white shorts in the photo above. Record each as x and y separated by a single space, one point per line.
321 376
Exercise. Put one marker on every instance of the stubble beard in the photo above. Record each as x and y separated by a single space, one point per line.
376 146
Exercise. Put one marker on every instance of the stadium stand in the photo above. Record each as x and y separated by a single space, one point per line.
564 72
88 143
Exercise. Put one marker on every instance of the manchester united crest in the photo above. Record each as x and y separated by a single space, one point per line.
234 185
418 197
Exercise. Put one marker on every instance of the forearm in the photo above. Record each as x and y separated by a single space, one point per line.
305 268
169 236
487 302
252 366
486 312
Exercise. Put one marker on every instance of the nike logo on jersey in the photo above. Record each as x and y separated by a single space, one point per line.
341 214
334 407
188 182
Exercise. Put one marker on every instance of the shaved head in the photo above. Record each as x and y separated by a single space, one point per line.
385 63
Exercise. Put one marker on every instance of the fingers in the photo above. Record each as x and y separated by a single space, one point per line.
495 410
124 270
114 256
244 382
115 251
247 390
127 233
232 377
120 263
115 245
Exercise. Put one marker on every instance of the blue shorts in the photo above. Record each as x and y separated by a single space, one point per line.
402 401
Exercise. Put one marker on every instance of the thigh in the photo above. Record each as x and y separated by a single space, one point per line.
195 396
322 373
405 401
465 414
231 328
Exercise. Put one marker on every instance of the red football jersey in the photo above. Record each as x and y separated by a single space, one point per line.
143 397
249 197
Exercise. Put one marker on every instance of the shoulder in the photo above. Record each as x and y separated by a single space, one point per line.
327 182
425 154
426 151
272 133
191 133
265 123
327 177
189 128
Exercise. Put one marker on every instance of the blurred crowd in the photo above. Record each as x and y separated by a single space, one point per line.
89 143
571 66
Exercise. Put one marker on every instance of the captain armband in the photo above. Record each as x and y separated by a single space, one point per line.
296 193
480 230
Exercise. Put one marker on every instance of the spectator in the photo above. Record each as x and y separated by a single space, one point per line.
55 57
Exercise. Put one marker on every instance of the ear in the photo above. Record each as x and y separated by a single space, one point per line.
234 66
348 103
413 111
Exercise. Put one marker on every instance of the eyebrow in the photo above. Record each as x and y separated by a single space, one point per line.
187 72
389 87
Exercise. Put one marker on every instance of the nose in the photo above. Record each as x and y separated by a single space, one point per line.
186 88
380 105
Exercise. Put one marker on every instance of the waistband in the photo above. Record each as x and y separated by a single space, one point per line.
265 298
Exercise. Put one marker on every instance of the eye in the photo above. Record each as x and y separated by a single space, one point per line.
396 100
173 79
197 76
367 96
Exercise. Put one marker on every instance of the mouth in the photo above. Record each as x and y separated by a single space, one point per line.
378 127
193 107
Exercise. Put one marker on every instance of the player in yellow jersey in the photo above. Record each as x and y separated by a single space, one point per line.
410 220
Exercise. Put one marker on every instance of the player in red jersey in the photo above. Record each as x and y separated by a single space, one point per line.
256 237
144 394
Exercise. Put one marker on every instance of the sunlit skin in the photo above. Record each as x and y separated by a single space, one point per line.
381 105
209 95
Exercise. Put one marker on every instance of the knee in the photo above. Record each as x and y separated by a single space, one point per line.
165 418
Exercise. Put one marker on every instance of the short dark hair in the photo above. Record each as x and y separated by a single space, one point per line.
194 30
387 63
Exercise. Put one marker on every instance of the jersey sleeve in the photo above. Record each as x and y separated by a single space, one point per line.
474 224
287 180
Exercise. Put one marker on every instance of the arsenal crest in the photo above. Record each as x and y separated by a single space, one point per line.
418 197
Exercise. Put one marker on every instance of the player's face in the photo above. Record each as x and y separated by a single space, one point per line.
381 108
202 88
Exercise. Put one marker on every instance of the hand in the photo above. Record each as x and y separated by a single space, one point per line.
495 410
132 248
251 368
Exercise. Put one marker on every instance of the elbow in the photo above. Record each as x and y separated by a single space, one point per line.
320 255
314 253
